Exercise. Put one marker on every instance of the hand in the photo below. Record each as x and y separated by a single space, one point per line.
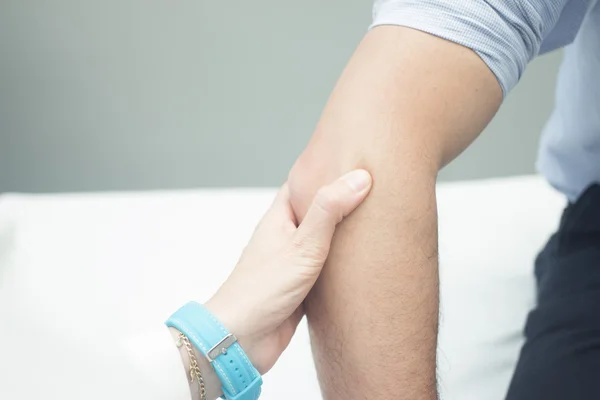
261 301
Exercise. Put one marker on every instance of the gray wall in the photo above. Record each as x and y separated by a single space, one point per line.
143 94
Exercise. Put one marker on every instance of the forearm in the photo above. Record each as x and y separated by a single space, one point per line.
406 105
373 313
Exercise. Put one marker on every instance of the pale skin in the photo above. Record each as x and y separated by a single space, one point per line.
406 105
261 300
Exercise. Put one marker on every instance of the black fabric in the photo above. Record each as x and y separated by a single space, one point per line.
561 356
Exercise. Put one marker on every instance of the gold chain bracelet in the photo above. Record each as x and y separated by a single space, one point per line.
194 368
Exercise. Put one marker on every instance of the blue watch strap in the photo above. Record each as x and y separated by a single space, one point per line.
241 381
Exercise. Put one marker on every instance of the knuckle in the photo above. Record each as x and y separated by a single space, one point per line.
304 248
330 203
298 243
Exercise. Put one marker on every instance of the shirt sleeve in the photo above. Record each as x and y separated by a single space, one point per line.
506 34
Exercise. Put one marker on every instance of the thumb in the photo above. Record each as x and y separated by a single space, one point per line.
330 205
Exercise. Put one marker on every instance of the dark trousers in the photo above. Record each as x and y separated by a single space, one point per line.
561 356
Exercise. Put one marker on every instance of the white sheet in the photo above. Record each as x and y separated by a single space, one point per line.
83 277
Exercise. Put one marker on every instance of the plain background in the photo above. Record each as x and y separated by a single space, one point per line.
142 94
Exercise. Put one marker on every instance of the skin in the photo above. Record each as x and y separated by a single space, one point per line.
261 300
406 104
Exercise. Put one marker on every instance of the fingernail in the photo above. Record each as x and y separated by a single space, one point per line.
358 180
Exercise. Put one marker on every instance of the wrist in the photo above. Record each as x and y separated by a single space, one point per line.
235 321
212 383
239 379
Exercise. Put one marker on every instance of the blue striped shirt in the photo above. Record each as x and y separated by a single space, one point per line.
507 35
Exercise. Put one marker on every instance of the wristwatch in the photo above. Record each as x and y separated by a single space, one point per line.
239 379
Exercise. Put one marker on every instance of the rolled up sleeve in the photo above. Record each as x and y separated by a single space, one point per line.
506 34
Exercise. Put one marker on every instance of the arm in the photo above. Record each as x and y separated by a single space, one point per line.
407 104
281 262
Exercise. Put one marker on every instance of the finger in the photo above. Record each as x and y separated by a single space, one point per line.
280 210
330 205
281 204
283 196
